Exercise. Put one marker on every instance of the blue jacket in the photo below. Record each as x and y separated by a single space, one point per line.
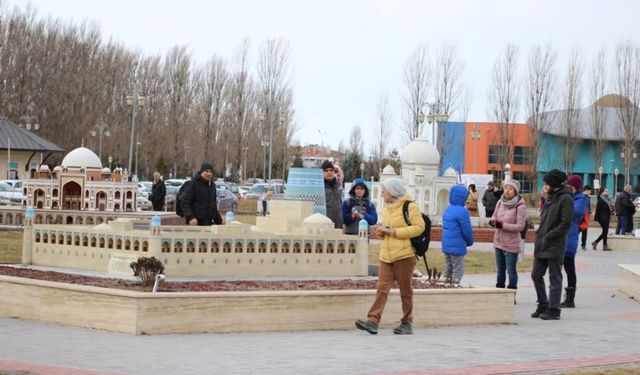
580 205
365 205
456 224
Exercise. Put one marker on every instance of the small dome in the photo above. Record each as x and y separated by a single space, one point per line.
82 157
420 151
57 168
117 170
450 172
317 219
389 170
102 226
44 168
106 170
613 101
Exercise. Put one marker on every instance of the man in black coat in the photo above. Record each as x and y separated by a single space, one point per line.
490 199
332 194
158 192
625 209
199 198
551 243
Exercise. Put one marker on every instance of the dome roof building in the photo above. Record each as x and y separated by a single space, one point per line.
82 157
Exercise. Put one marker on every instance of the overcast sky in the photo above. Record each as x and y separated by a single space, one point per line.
344 53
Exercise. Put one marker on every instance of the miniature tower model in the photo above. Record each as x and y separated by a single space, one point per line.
363 243
27 237
154 239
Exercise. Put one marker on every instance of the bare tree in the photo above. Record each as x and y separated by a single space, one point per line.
627 81
355 141
213 78
382 130
540 96
597 89
241 96
417 79
572 100
504 103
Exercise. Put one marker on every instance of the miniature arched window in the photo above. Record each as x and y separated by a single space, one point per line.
76 240
191 247
61 239
38 219
49 219
262 247
285 248
9 219
86 207
251 247
319 248
117 195
90 220
127 244
45 238
215 247
226 248
166 247
136 245
340 248
59 219
202 248
177 248
101 242
55 193
53 238
330 248
69 239
37 236
119 244
307 248
79 220
99 220
296 247
110 243
129 196
85 241
352 248
145 246
86 193
239 247
93 242
274 247
18 219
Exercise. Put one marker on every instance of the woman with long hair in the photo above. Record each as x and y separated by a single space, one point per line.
604 210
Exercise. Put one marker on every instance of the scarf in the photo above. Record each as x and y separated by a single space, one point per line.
509 202
608 201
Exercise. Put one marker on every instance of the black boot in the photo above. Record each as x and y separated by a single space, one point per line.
499 285
550 314
570 294
542 307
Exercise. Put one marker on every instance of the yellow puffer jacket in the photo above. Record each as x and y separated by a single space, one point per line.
394 248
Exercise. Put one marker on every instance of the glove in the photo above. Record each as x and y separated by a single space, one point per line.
492 223
499 224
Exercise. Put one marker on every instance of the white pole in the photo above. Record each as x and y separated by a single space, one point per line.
8 156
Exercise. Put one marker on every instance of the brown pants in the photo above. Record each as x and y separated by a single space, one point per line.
401 271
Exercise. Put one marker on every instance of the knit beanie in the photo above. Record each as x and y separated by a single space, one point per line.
326 165
575 181
554 178
206 166
394 186
514 184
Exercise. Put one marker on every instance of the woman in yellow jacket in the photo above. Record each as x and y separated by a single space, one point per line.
397 257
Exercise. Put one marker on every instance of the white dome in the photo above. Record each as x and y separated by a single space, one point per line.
450 172
44 168
57 169
317 219
106 170
389 170
421 152
82 157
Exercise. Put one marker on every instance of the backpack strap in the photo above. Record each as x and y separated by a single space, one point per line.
405 212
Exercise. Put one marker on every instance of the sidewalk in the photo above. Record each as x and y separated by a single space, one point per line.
603 330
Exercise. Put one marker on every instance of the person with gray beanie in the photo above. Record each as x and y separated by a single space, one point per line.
397 256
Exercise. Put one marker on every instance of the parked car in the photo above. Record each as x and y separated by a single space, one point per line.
244 190
235 189
257 190
143 203
12 194
170 198
174 182
226 201
16 184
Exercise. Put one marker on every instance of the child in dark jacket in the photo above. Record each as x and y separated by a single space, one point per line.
456 234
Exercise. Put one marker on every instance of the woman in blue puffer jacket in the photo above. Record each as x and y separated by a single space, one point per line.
456 234
580 206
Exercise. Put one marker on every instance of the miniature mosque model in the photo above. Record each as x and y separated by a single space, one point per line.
80 183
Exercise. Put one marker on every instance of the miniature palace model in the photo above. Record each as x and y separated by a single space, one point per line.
291 242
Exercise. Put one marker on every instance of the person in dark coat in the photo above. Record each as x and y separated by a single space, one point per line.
583 233
490 199
551 243
158 192
604 210
580 206
357 207
625 209
199 202
332 194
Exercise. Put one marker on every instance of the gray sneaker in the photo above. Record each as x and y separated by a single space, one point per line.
367 325
403 329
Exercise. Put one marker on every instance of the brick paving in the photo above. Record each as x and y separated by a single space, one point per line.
601 331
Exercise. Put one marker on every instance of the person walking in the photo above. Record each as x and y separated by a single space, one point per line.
332 194
358 206
583 233
199 202
625 209
472 201
158 192
551 243
580 206
509 219
604 210
490 198
397 256
456 234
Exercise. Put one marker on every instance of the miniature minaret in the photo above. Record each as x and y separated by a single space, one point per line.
27 236
155 246
363 247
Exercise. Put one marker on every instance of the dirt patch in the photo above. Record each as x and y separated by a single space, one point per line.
205 286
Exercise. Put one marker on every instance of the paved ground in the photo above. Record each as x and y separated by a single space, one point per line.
602 331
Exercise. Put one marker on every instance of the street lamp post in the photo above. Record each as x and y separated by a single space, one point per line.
436 114
615 181
137 152
600 169
322 134
29 122
271 109
244 162
475 135
362 170
110 160
420 120
135 100
100 130
626 155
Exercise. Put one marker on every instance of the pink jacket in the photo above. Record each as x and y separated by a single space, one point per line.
508 237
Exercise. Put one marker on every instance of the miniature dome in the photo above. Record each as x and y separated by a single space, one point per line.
106 170
420 151
44 168
450 172
317 219
102 226
82 157
389 170
57 169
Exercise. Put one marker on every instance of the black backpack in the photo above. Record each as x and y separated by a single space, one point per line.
179 194
420 243
527 225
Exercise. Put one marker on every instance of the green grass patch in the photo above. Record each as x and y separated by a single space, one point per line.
10 246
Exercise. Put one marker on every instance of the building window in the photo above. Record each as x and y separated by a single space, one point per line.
526 185
497 153
521 155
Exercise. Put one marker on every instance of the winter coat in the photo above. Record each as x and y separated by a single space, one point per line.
472 201
456 223
513 221
158 192
603 212
555 222
580 204
490 199
364 206
333 199
623 205
199 201
398 247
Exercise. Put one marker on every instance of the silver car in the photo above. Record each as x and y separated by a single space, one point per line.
7 192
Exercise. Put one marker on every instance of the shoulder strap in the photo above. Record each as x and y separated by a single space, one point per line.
405 212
